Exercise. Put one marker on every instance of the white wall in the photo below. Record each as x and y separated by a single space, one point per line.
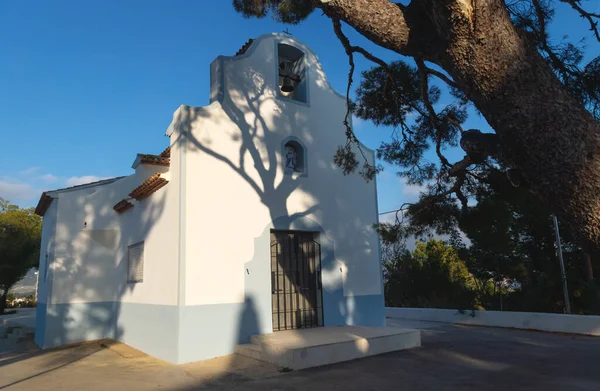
227 187
236 185
90 257
562 323
46 253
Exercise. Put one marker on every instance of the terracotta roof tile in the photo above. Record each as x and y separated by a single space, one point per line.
149 186
245 47
43 204
163 159
122 206
156 160
166 152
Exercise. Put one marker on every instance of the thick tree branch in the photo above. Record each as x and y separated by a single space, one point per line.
381 21
460 166
404 29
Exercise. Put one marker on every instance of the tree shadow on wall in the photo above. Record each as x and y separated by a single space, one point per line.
256 122
87 274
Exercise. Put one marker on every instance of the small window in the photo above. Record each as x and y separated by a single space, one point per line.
294 157
135 263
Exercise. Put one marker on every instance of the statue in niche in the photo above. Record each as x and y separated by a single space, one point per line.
291 158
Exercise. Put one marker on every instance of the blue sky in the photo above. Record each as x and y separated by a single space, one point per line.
85 85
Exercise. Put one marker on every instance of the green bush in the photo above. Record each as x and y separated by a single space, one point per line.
432 276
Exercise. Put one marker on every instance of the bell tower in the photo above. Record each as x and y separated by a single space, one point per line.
292 72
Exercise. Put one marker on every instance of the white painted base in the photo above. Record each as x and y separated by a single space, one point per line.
12 336
558 323
300 349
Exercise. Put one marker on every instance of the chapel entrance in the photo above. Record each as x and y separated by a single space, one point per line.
297 300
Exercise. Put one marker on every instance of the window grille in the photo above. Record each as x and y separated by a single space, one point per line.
135 263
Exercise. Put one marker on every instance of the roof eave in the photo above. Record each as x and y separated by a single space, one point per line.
47 196
137 161
43 204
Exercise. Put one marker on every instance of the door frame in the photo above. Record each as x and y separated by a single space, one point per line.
318 286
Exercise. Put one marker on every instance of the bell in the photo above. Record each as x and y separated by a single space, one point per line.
288 85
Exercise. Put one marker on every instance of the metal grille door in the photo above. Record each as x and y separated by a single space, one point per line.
296 280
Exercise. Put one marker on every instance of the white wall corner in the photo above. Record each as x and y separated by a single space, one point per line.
181 140
216 80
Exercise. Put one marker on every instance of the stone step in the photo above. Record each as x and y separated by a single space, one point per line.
249 350
300 349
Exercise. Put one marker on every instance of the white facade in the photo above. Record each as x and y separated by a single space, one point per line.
207 273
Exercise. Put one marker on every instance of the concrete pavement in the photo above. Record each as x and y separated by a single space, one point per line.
24 317
452 358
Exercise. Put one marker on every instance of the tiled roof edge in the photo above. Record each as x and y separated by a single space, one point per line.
244 47
148 187
122 206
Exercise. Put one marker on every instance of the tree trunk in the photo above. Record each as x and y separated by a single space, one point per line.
3 298
543 130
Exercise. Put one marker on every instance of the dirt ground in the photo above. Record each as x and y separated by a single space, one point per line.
452 358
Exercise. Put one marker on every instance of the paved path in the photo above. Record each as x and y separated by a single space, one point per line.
459 358
452 358
24 317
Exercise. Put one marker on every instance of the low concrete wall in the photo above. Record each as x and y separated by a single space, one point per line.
561 323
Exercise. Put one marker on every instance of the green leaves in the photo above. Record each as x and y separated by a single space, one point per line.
433 275
284 11
20 235
388 98
393 97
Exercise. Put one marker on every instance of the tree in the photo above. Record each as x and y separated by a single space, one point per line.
20 235
517 239
538 97
433 275
511 250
